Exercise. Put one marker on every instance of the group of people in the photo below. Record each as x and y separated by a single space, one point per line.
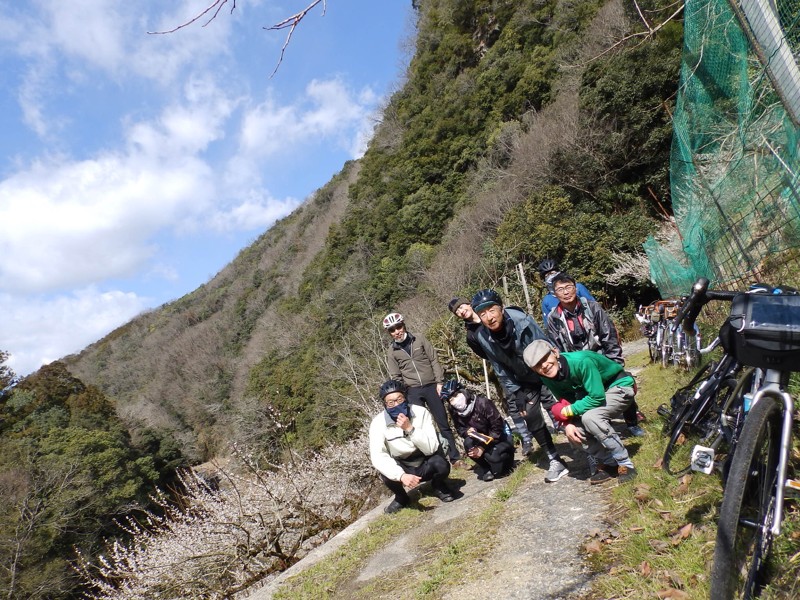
573 368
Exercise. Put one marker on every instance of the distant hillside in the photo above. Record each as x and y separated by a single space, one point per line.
516 135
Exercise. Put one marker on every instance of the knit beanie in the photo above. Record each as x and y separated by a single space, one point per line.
455 303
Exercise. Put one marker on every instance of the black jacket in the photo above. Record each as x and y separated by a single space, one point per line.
484 418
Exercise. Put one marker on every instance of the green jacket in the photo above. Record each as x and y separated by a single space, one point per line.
584 377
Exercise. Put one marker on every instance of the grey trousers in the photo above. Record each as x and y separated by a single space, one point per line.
602 441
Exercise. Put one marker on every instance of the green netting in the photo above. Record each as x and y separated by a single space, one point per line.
734 160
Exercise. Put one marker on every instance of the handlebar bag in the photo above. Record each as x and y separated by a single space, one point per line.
763 330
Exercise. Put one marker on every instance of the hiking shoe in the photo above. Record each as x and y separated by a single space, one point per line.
600 476
459 464
556 471
626 474
527 448
488 476
393 507
636 431
443 495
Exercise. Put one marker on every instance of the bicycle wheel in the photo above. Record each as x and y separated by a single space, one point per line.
666 348
744 535
679 349
698 425
652 348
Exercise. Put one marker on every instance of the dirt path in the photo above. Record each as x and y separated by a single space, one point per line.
540 549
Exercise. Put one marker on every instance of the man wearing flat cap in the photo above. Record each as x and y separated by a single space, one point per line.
593 390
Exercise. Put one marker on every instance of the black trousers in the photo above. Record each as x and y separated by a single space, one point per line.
427 396
532 397
434 468
498 457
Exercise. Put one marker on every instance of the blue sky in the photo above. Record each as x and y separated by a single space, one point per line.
133 167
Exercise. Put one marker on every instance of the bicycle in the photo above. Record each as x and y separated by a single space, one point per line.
648 327
709 419
762 332
685 354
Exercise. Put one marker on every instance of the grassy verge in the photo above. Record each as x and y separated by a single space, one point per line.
445 552
663 528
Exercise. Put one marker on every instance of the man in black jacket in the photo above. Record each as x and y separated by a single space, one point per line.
505 334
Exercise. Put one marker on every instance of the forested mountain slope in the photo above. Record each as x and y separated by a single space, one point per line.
520 132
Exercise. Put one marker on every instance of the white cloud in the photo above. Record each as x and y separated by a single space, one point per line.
64 224
91 31
329 109
255 212
39 330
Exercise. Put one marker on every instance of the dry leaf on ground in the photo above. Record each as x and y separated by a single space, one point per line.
673 593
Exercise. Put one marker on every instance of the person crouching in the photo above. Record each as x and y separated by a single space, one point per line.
593 390
482 428
404 447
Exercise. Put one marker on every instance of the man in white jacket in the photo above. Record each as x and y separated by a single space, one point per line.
404 447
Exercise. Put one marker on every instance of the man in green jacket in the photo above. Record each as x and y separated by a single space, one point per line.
592 390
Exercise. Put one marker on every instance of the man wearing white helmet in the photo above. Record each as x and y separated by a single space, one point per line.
412 360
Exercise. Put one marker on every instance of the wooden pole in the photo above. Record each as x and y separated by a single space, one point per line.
455 364
524 283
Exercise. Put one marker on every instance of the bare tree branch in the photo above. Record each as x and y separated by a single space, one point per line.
291 23
216 6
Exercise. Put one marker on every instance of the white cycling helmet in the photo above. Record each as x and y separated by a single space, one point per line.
392 319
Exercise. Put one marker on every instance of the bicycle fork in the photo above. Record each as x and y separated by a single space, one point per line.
774 390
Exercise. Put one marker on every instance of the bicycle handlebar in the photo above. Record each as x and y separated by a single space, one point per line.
698 298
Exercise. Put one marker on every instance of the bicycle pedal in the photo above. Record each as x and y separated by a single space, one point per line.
793 487
703 459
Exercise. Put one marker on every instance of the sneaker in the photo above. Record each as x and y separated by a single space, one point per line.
636 431
600 476
527 448
592 464
556 471
393 507
626 473
488 476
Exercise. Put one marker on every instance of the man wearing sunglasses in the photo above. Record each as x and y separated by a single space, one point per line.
412 360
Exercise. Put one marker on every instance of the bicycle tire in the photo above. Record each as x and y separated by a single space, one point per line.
698 425
744 535
734 410
652 349
677 349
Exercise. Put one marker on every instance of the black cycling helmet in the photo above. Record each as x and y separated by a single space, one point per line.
391 386
547 265
485 299
450 388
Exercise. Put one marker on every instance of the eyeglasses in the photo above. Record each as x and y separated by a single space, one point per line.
394 328
565 288
389 403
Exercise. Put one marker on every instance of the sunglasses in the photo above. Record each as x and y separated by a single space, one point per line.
395 328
